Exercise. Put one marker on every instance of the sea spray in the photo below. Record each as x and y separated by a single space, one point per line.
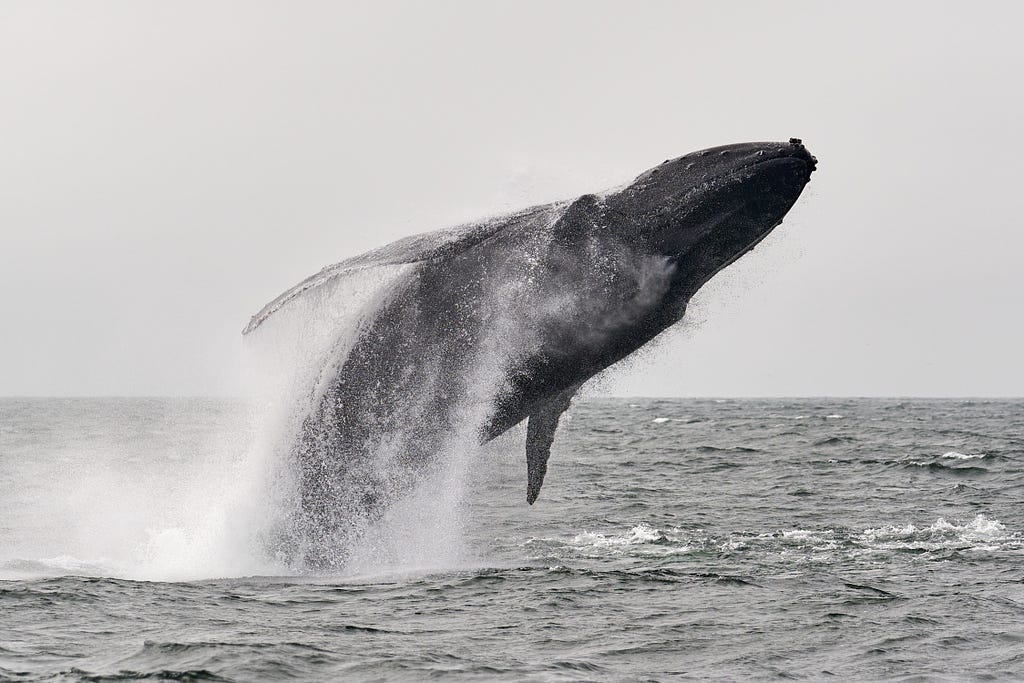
133 490
291 360
424 528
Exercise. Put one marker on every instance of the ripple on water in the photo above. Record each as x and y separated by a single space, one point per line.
870 545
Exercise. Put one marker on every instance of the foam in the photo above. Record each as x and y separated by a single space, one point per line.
962 456
980 533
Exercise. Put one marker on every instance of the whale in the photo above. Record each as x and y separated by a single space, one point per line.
503 320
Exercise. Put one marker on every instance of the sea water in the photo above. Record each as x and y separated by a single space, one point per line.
701 539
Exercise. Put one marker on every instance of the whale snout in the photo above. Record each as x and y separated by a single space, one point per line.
798 151
736 160
666 182
707 208
781 170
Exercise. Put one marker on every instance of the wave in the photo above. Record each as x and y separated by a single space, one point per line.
26 569
640 534
981 533
955 470
645 540
963 456
834 441
642 539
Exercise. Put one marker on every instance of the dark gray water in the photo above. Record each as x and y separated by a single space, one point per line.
674 539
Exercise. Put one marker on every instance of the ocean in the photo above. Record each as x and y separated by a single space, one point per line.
674 539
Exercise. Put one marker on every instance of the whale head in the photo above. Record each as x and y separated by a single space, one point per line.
705 209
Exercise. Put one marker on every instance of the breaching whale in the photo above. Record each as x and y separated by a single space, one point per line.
503 320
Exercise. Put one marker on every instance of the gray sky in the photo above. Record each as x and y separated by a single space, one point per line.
168 168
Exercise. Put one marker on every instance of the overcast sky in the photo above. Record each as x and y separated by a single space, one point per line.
168 168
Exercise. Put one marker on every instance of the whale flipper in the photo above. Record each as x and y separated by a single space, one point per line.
540 432
413 249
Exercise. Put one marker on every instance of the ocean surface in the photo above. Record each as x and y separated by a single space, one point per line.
688 539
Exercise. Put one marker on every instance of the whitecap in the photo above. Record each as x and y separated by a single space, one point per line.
815 541
641 533
983 529
981 533
962 456
798 534
641 540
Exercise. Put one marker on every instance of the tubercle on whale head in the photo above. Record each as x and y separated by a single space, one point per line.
707 208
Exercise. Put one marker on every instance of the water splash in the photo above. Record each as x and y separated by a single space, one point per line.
118 497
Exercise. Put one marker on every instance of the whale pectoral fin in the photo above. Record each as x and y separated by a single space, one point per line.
540 432
414 249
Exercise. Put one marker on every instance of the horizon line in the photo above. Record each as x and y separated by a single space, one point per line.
751 397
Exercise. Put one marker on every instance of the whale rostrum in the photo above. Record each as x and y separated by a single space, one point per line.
503 320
